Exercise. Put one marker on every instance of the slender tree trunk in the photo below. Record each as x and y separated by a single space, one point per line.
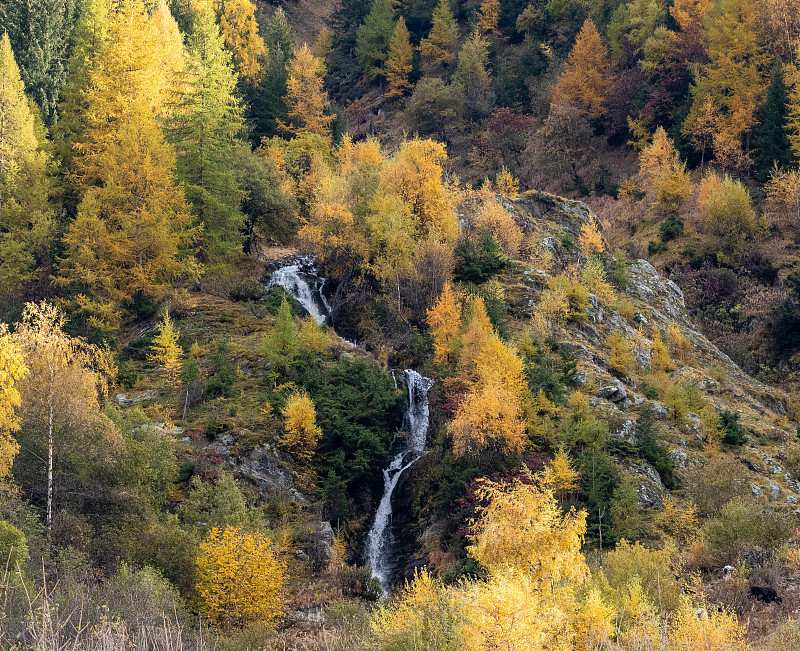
50 472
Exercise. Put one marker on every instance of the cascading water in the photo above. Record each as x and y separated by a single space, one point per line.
380 541
300 279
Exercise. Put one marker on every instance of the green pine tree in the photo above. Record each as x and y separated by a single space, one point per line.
374 37
26 222
266 103
206 133
39 31
769 137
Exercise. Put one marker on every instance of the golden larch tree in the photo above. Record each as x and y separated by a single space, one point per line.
664 174
399 62
414 174
166 352
239 578
306 98
489 16
240 30
171 58
590 240
440 43
587 76
12 370
300 422
444 320
736 78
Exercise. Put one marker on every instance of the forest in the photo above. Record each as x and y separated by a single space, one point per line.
466 325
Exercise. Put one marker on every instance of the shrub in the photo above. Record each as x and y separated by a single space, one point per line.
671 228
239 578
478 261
13 547
247 290
734 433
741 525
654 568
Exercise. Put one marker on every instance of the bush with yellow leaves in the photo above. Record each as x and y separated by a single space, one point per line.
302 432
593 277
239 578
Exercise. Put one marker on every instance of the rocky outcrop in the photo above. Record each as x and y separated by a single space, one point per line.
262 466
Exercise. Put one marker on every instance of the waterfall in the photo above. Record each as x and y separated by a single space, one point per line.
380 541
300 279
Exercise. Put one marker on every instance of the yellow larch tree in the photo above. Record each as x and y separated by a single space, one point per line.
478 332
440 43
660 361
239 28
521 525
240 580
300 421
488 419
587 76
690 14
414 174
663 172
489 16
132 231
323 46
12 370
399 62
166 352
736 77
127 74
590 240
171 58
444 320
306 98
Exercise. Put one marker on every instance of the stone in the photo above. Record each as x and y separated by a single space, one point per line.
774 491
324 539
658 410
648 484
756 490
614 391
135 397
791 499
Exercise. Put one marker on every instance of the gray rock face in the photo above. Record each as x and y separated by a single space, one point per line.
324 539
648 484
659 292
135 397
774 491
263 467
659 411
614 391
756 490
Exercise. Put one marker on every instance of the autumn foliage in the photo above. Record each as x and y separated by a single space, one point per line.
239 578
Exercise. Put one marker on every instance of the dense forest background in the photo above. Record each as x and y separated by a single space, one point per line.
580 219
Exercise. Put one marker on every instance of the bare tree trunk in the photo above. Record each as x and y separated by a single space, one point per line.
50 473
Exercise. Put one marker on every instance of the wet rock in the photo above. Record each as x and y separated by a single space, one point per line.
135 397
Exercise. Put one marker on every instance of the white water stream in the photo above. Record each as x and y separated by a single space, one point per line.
380 541
300 279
